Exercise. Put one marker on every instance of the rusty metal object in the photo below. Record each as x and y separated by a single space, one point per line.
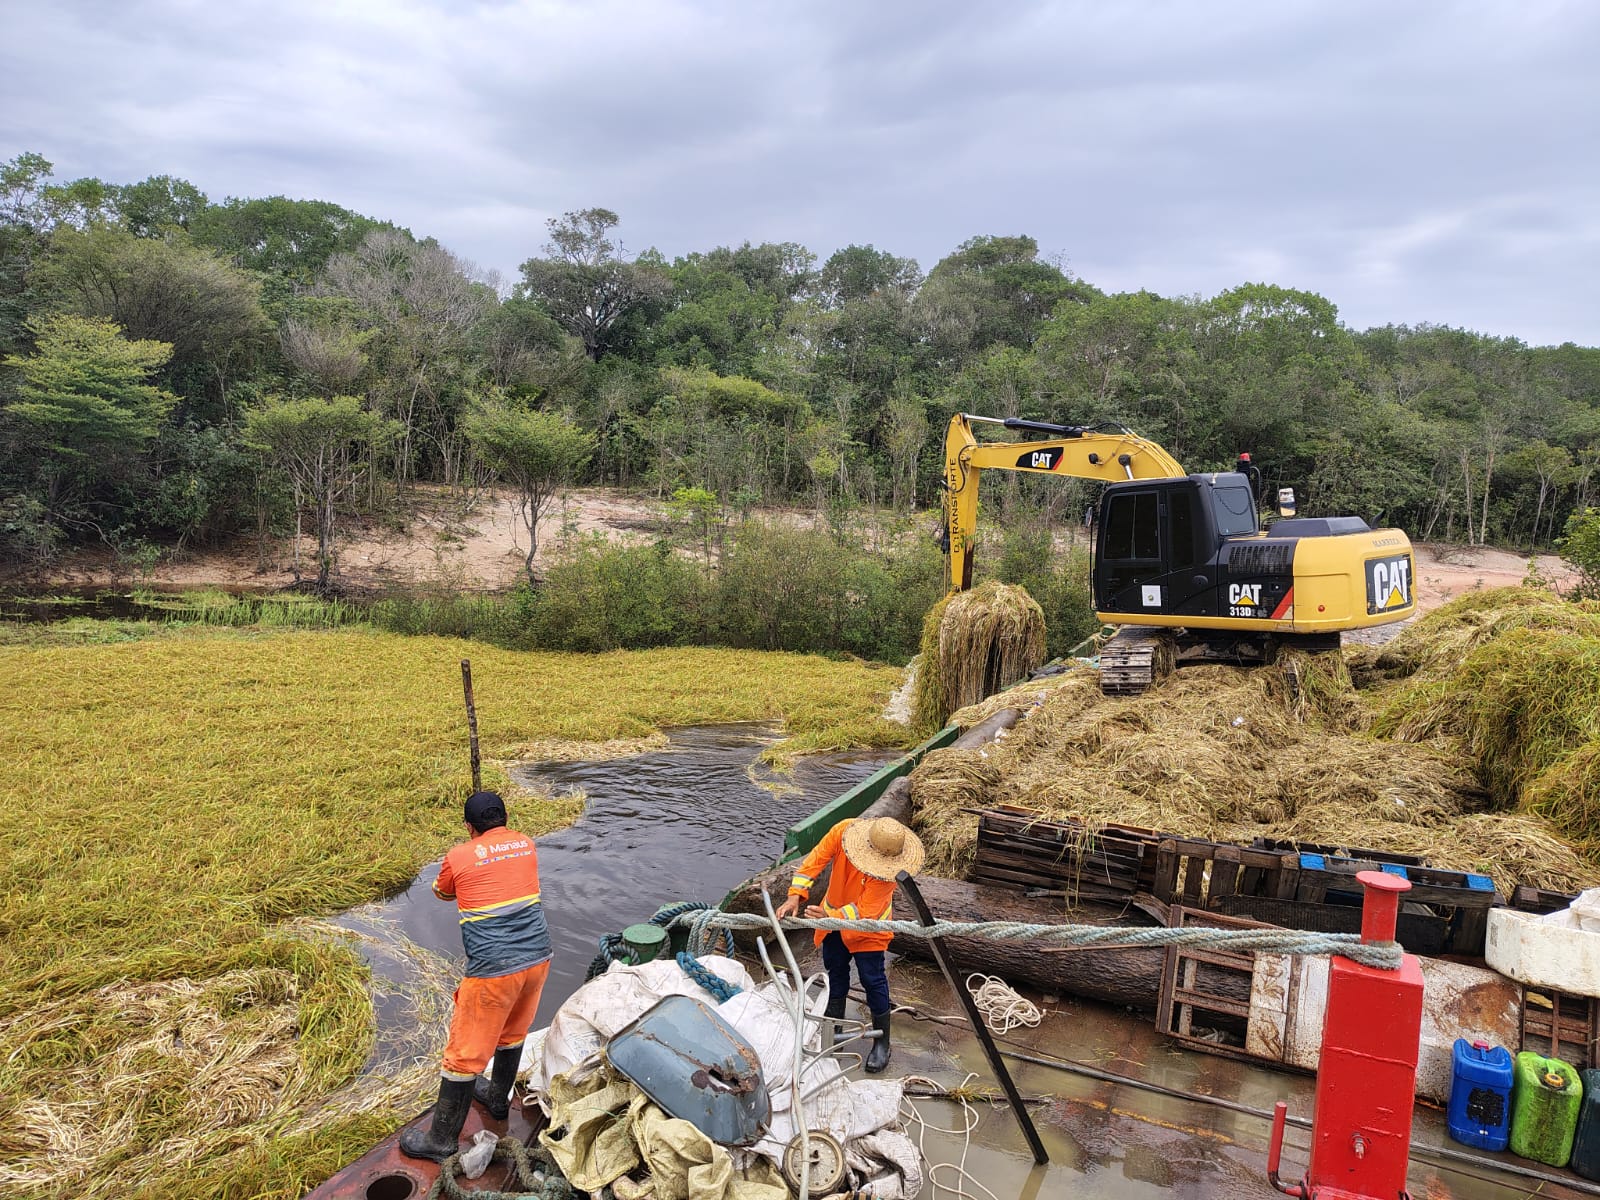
383 1173
695 1065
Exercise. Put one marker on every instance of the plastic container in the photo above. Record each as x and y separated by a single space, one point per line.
1480 1094
1542 954
1544 1109
1586 1144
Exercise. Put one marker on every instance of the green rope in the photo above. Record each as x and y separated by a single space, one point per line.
527 1168
1381 955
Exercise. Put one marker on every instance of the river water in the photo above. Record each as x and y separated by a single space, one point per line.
690 822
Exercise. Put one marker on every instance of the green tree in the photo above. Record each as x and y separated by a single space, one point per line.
321 446
171 291
85 407
585 284
536 453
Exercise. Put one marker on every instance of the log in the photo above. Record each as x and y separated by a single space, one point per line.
1127 977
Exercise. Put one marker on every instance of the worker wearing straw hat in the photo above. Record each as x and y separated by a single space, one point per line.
493 877
866 855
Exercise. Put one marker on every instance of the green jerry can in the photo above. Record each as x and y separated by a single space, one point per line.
1545 1099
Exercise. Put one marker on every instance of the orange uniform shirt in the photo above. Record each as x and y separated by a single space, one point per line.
494 880
851 894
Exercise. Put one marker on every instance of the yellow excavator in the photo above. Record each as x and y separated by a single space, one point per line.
1182 564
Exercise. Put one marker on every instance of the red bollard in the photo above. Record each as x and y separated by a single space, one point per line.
1367 1076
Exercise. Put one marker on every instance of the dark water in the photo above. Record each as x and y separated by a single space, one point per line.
685 823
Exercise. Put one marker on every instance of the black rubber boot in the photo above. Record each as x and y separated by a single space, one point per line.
443 1138
835 1010
878 1058
494 1093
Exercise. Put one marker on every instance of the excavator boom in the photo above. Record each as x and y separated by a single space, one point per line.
1110 455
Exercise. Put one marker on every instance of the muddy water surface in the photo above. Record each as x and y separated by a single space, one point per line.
690 822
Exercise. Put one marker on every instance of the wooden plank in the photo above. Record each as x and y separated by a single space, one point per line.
1166 880
1224 874
1194 881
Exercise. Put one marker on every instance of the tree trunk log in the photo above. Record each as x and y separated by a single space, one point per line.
1128 977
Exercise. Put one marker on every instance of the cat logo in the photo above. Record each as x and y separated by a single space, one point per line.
1040 460
1244 593
1388 583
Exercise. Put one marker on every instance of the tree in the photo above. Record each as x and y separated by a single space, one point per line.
159 203
320 445
537 453
422 302
85 408
583 281
171 291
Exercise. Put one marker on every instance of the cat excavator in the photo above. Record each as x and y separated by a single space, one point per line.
1182 564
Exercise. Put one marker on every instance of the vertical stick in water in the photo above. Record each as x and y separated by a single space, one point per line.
472 723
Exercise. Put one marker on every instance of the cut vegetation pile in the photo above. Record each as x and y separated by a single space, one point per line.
172 805
1286 751
973 644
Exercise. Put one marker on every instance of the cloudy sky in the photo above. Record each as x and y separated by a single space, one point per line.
1417 162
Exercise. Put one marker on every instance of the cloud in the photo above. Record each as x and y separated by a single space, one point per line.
1412 163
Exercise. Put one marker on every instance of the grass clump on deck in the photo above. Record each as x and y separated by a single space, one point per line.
171 804
975 643
1519 686
1231 754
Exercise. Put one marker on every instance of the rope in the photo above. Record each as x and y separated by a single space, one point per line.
533 1170
1382 955
721 990
612 946
1003 1010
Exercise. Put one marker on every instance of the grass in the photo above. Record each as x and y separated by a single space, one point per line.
173 802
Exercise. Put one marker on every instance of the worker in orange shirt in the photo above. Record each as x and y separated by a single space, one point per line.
494 879
866 856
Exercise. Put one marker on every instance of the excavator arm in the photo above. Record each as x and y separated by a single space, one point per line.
1110 454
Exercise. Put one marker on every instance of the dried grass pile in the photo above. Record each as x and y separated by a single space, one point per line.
1516 677
1232 754
975 643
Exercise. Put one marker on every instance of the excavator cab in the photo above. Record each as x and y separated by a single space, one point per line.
1160 541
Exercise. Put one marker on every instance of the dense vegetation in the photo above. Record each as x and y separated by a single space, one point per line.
178 371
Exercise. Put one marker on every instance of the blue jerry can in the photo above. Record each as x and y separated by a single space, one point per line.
1480 1095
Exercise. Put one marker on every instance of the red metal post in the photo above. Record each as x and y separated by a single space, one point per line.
1366 1079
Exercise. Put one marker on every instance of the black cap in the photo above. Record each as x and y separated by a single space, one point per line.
485 810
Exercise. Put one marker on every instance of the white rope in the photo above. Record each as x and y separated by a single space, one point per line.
970 1118
1003 1010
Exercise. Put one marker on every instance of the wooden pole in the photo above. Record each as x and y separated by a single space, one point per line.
472 724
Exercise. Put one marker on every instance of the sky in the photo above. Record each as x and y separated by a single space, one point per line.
1427 162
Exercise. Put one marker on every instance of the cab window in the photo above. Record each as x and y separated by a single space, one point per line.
1132 527
1235 509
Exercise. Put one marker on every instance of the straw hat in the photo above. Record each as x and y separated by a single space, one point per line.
882 848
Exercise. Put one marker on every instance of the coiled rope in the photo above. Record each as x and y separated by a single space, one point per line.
1381 955
532 1169
1002 1008
612 947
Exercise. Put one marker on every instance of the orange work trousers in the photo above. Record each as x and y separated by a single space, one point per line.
490 1015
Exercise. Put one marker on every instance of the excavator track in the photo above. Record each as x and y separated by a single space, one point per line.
1134 659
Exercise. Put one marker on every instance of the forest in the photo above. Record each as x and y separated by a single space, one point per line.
178 372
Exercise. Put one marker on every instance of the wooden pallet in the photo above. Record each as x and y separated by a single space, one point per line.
1017 848
1461 898
1284 846
1558 1025
1537 900
1204 1000
1196 874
